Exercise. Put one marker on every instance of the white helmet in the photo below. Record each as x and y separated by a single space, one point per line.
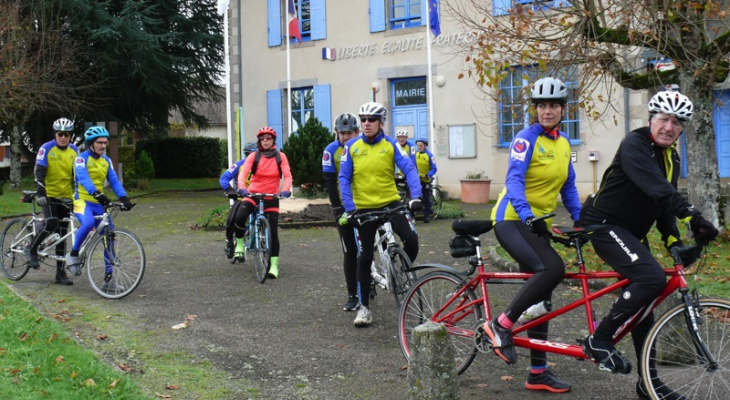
374 109
549 89
346 123
63 125
401 132
671 103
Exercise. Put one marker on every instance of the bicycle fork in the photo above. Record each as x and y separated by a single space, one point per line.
693 319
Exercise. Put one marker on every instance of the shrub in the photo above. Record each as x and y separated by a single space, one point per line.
145 170
451 211
304 152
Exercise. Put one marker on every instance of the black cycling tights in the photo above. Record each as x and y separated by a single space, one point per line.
241 220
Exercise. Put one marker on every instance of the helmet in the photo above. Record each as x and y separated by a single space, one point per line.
63 125
549 89
266 130
401 132
375 109
94 133
671 103
423 140
346 123
249 148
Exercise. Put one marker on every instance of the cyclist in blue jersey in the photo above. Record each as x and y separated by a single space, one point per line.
229 183
346 128
367 184
54 171
426 166
92 168
539 170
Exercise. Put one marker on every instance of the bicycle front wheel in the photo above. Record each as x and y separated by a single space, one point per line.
115 264
436 202
263 251
673 360
15 240
400 278
427 298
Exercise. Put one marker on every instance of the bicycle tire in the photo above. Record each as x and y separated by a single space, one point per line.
261 259
437 202
15 239
401 279
126 258
428 295
678 365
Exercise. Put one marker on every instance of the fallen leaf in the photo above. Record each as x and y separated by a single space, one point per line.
551 364
303 245
124 367
60 359
38 319
2 350
14 371
404 367
507 378
89 382
190 317
101 337
181 326
142 295
52 338
113 384
23 337
164 396
73 375
482 385
172 387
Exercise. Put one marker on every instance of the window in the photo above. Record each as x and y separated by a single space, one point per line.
304 16
302 107
405 13
503 7
514 103
311 15
306 102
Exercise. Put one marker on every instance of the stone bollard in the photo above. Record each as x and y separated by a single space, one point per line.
431 368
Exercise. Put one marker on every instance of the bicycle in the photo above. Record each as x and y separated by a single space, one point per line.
695 332
391 267
437 200
108 253
257 237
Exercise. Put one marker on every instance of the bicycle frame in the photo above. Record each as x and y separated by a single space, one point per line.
98 231
253 220
384 240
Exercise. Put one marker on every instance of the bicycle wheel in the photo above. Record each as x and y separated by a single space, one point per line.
436 202
400 278
261 259
115 264
679 366
15 240
427 297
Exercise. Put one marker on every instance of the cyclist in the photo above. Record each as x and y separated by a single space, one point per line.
426 166
272 166
346 128
539 169
229 182
639 189
54 181
92 168
366 184
401 135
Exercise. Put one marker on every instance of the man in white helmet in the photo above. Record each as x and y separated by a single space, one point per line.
639 189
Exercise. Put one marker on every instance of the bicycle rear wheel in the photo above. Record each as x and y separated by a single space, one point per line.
679 365
400 278
115 264
436 202
263 251
428 297
15 240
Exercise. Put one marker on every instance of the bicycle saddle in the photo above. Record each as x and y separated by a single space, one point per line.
473 228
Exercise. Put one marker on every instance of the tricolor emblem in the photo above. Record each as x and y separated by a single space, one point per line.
328 53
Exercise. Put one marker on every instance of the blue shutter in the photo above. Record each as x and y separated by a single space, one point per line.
273 114
274 16
323 105
424 12
501 7
377 15
561 4
319 20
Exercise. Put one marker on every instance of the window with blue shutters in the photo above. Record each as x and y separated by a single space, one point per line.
397 14
305 102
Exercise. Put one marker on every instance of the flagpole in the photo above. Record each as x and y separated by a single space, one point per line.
288 75
431 125
229 131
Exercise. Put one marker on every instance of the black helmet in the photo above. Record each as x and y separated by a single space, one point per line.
249 148
346 123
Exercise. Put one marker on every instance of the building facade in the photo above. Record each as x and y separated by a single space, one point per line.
355 51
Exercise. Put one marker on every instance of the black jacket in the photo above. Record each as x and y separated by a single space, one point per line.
635 190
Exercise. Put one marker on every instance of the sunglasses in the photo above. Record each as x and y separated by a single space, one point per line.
369 119
63 134
266 138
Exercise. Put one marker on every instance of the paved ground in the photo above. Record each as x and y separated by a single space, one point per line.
287 338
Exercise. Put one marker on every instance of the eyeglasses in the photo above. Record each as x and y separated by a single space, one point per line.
101 143
369 119
63 134
266 138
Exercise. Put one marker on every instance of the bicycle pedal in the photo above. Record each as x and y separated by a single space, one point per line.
482 342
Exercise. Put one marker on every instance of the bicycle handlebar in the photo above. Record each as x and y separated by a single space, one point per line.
379 215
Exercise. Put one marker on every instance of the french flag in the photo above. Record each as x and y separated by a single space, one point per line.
328 53
293 21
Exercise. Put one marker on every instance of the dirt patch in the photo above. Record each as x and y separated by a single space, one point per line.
311 213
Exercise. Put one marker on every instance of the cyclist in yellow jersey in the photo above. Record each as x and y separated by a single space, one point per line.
54 169
539 170
346 128
426 166
367 184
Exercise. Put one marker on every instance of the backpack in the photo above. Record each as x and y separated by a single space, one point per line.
256 163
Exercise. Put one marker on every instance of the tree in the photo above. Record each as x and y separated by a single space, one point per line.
606 40
304 152
38 72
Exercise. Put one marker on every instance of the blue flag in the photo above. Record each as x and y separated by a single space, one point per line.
433 16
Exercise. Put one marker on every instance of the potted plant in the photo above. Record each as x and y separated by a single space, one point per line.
475 188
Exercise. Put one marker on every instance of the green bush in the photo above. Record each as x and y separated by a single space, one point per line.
451 211
177 157
304 152
144 167
126 158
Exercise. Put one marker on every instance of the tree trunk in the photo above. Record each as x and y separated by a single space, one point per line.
15 164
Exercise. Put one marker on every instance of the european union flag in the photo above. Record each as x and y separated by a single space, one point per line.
433 16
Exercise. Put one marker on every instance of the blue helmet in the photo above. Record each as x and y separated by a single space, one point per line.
424 140
94 133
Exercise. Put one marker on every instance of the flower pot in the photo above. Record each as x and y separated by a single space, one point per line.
475 191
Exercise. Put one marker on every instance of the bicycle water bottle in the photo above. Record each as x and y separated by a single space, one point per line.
50 239
535 311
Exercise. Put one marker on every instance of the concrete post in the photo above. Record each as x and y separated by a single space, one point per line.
431 368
